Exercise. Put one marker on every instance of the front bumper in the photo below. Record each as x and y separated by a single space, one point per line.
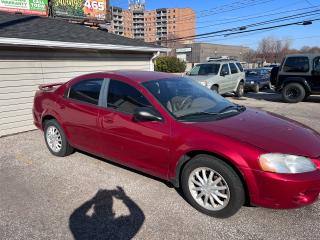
285 191
249 85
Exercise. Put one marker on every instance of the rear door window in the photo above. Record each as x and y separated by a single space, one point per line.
87 91
316 64
233 68
296 64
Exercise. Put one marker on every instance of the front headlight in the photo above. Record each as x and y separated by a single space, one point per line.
204 83
285 163
252 82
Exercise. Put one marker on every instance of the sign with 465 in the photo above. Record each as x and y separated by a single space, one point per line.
90 9
94 5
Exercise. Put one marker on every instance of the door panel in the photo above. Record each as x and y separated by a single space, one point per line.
234 77
141 145
315 78
79 111
224 80
80 121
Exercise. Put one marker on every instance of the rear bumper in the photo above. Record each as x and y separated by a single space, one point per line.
284 191
36 119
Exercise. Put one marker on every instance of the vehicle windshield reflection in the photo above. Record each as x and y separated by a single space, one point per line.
205 69
186 99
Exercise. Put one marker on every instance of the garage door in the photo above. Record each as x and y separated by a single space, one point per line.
19 81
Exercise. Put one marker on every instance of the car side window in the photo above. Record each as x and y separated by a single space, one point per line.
225 69
316 65
125 98
195 70
240 67
233 68
296 64
87 91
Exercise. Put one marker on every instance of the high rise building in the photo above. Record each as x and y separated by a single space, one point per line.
117 20
154 25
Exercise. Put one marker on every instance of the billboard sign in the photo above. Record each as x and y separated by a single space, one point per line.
33 7
86 9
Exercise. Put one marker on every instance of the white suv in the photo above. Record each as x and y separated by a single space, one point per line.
220 76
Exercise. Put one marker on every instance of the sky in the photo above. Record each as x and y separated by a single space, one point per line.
215 15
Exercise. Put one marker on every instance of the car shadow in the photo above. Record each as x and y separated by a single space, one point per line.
95 219
267 95
168 184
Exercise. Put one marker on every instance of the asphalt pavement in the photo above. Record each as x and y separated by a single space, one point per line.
85 197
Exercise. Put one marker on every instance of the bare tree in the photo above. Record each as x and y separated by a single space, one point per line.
173 44
271 49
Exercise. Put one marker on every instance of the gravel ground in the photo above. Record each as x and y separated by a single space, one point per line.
80 196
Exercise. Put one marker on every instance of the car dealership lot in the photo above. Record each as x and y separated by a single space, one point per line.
42 196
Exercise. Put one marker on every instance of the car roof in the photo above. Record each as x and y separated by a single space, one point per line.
132 75
218 61
310 55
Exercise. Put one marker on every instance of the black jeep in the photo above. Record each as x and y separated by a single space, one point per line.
297 77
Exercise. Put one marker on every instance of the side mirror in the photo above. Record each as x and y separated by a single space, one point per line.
143 114
224 73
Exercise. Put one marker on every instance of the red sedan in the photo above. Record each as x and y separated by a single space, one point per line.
221 154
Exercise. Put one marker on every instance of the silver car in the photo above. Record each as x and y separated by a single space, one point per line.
220 76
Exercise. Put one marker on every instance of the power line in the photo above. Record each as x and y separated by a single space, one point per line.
265 28
246 26
238 19
307 1
243 19
251 43
219 10
264 12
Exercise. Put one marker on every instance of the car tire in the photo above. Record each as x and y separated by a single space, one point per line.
256 88
215 88
293 93
306 96
240 90
220 205
56 140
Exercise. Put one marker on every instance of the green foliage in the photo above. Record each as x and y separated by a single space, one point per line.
169 64
69 10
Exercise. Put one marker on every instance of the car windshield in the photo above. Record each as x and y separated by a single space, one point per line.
205 69
187 100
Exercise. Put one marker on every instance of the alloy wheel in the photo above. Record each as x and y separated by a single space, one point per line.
293 93
209 189
54 139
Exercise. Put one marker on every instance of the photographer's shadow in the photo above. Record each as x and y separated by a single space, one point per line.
95 218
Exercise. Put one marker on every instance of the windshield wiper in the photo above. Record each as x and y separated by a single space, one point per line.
238 108
197 114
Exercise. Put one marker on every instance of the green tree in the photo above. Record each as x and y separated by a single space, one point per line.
170 64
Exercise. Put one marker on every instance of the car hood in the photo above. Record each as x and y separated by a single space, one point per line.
267 131
200 78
